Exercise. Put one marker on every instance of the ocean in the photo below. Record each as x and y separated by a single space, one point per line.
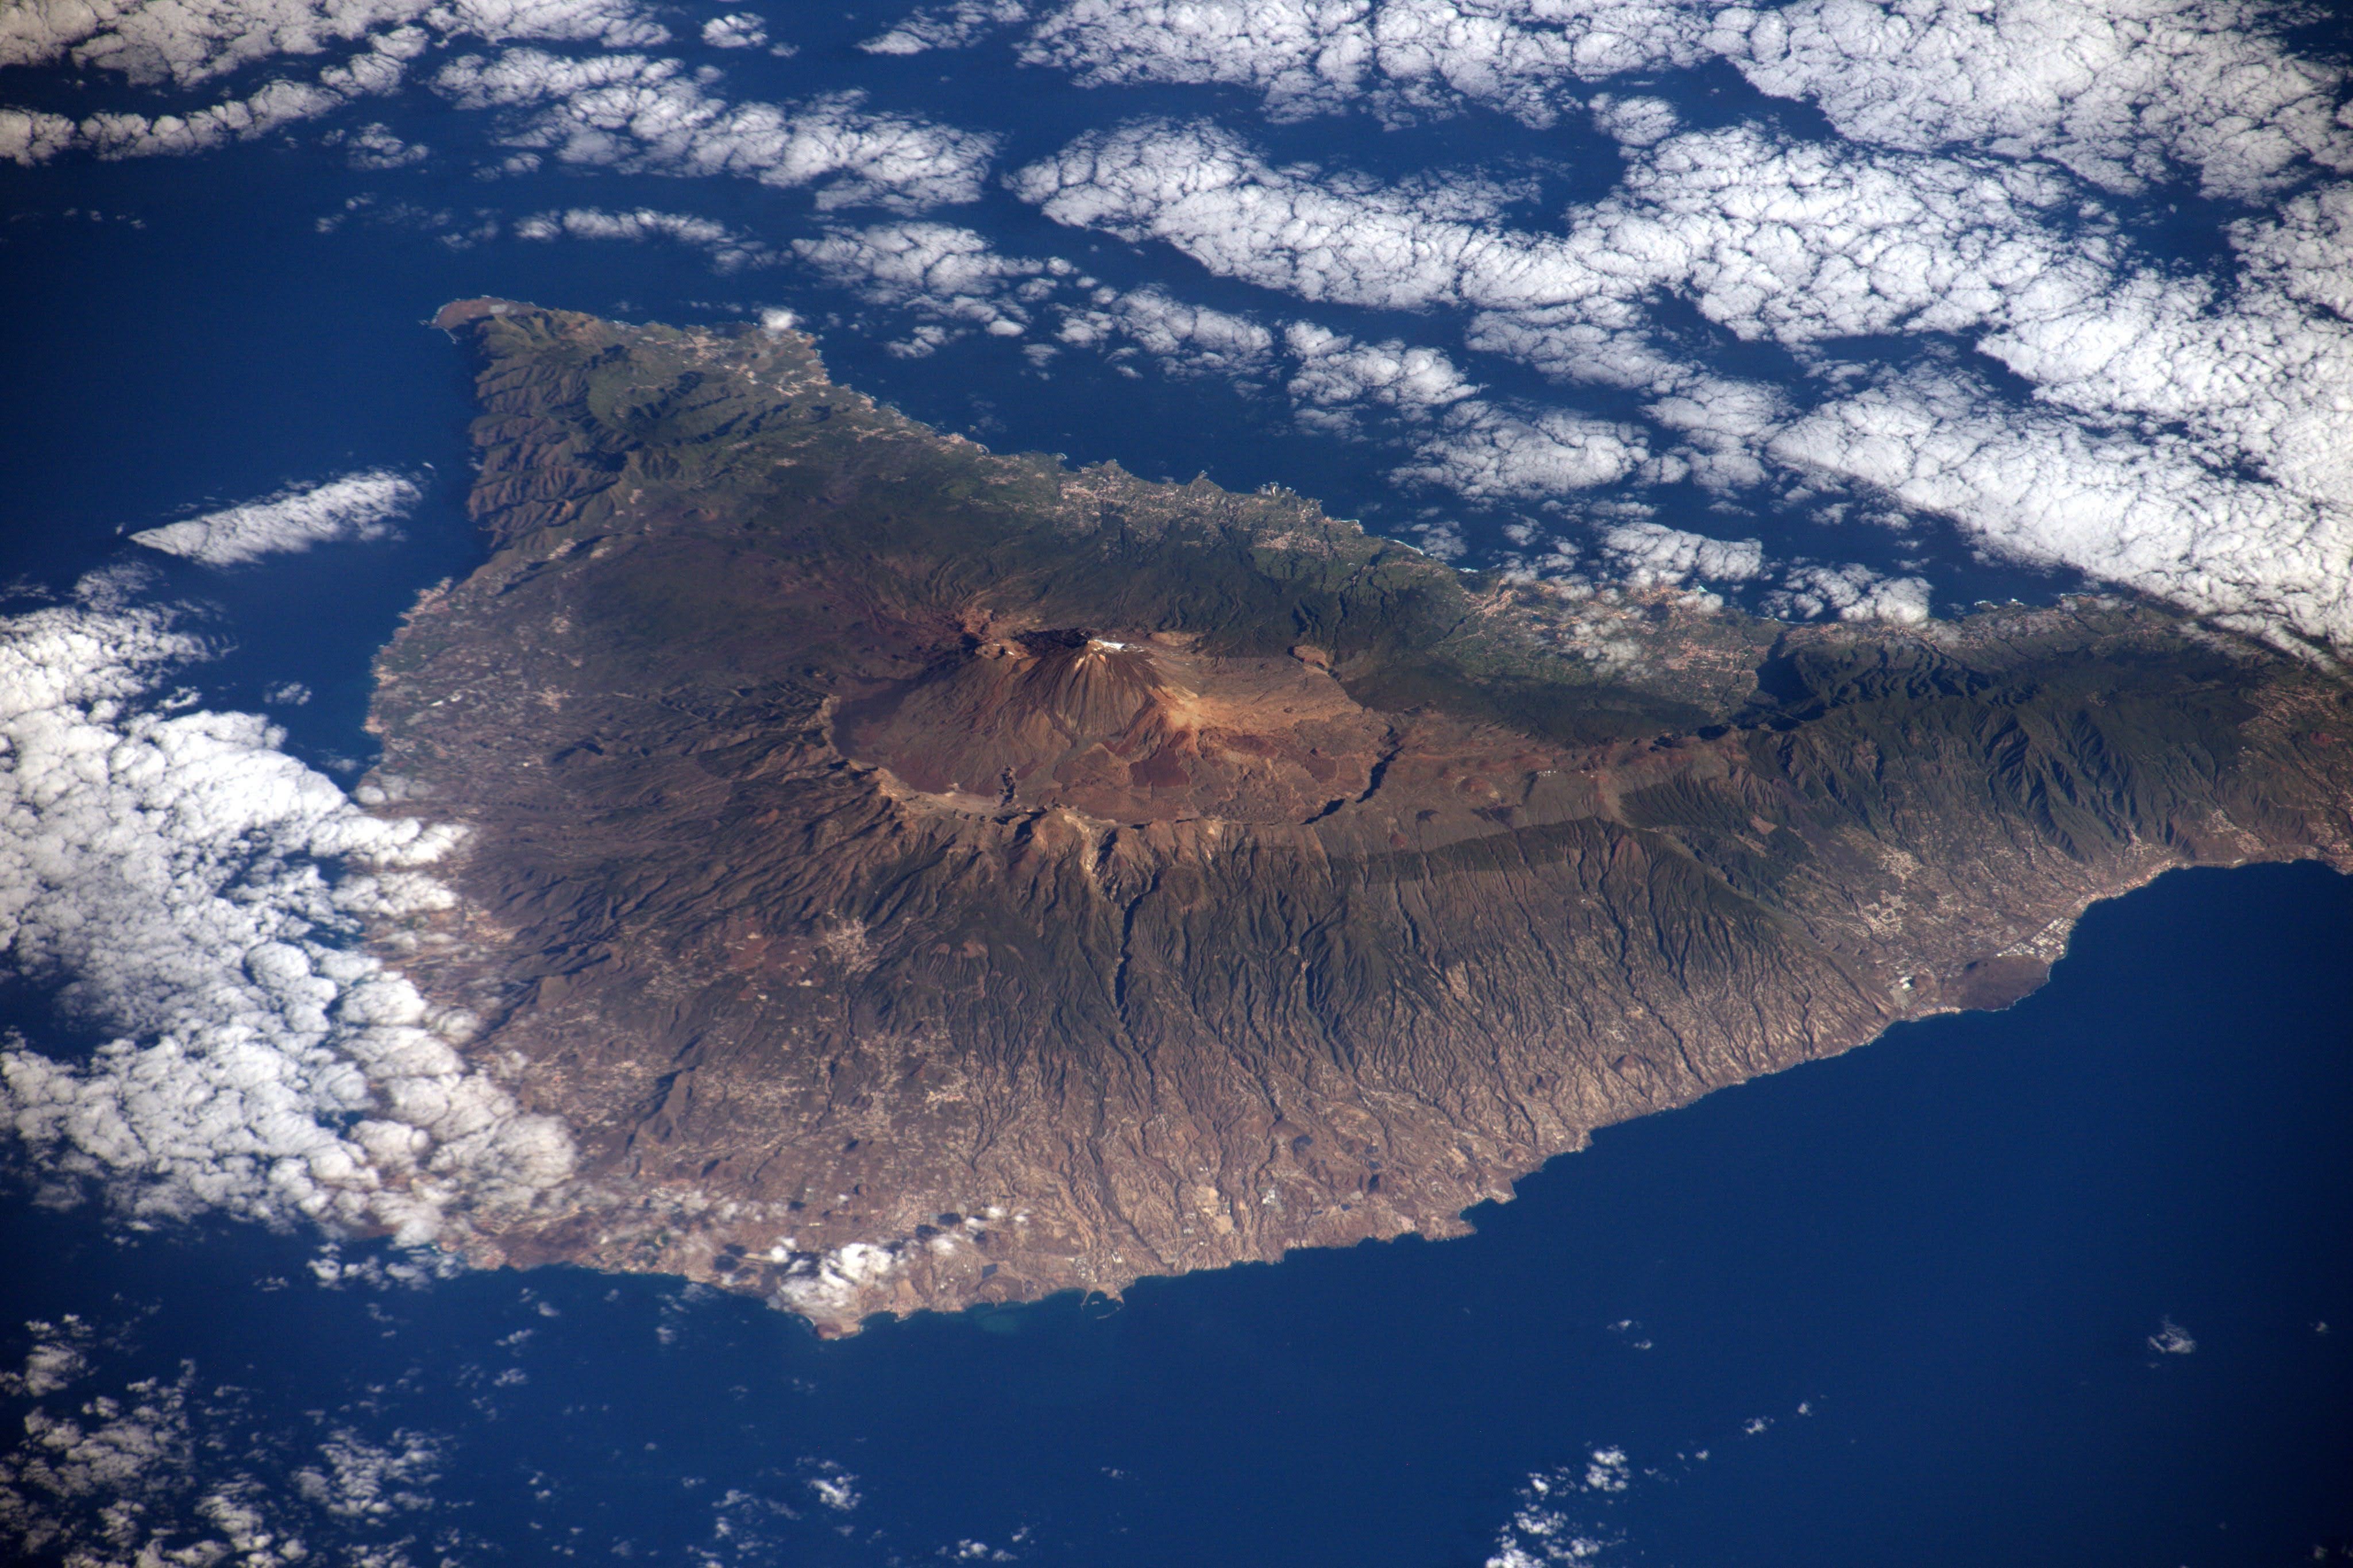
1904 1306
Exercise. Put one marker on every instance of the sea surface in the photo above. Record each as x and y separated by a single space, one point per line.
1905 1306
2072 1284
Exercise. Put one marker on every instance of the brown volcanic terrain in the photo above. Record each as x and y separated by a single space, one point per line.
922 877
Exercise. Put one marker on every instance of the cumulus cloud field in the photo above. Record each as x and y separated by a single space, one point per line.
189 892
1934 224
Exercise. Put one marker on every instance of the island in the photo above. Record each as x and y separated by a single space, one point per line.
922 877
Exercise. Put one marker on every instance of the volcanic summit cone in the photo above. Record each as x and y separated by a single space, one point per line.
1132 729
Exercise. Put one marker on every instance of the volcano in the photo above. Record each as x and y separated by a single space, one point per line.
918 875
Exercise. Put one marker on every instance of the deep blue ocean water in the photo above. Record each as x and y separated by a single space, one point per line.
1905 1306
1926 1273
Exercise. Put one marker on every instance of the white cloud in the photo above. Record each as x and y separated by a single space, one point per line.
956 280
516 77
2122 93
2252 375
735 30
1477 449
728 250
1638 120
955 26
614 107
1489 454
58 1359
1480 450
933 269
374 146
830 1287
1949 209
175 875
1851 593
1608 1470
1338 375
2305 249
1798 241
365 45
1601 342
1311 57
1549 1525
1808 243
2189 437
356 1478
1768 238
135 1451
835 1487
1303 54
2132 509
362 506
648 116
1203 191
609 24
156 1471
1182 338
1724 424
186 42
1650 554
34 137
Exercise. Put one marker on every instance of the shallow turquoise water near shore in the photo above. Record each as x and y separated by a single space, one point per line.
1903 1305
